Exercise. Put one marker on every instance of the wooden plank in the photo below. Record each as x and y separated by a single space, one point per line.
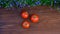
10 21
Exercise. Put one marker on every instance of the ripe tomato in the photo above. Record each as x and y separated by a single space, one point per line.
26 24
24 14
34 18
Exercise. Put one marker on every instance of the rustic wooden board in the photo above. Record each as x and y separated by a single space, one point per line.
10 21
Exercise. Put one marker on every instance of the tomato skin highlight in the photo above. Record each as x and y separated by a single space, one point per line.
34 18
26 24
24 14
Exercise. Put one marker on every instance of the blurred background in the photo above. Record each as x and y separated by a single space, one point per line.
28 3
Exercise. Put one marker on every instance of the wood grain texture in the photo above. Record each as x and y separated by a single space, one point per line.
49 23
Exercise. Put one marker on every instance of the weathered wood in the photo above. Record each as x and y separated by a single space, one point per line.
10 21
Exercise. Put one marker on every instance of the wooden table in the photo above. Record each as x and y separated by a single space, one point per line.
49 23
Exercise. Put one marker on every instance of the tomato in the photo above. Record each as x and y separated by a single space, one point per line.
34 18
24 14
26 24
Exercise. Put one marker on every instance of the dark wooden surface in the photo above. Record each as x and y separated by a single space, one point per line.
49 23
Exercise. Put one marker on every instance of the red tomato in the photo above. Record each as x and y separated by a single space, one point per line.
26 24
24 14
34 18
